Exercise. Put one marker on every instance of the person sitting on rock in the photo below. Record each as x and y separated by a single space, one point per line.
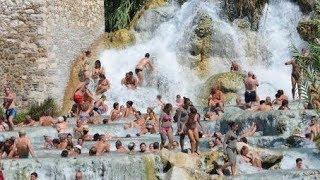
151 121
130 81
98 70
250 157
251 83
46 120
139 123
129 110
263 107
213 113
101 145
83 95
103 85
116 113
234 67
28 122
280 97
240 102
99 106
119 147
269 102
284 105
216 97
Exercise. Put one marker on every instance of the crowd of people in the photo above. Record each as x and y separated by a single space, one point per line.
89 106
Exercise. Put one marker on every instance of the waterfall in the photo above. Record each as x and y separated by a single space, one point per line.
272 46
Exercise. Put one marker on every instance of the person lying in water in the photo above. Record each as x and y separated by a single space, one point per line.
250 157
130 81
144 63
103 85
22 147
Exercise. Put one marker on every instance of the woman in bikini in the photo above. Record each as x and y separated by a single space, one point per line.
166 131
192 128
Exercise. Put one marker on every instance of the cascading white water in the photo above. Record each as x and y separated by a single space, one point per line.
277 33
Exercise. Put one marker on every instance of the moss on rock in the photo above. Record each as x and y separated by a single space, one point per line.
229 83
309 30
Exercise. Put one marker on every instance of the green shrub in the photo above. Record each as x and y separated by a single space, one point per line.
118 14
21 116
48 108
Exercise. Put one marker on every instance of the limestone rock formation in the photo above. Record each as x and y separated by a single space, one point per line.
269 158
150 20
179 159
269 123
306 6
229 83
251 9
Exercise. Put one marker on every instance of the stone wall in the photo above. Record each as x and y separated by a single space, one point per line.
39 39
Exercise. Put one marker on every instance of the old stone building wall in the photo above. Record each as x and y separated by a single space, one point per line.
39 39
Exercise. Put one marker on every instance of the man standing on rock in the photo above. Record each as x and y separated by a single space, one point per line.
22 147
143 63
251 83
9 105
295 76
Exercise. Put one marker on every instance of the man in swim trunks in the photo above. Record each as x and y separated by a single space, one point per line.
130 81
141 65
9 105
251 83
295 76
22 147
